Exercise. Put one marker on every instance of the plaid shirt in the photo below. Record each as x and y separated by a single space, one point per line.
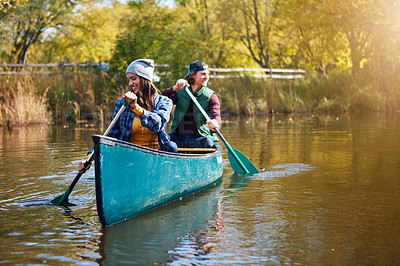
154 120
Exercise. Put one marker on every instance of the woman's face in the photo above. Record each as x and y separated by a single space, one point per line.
134 81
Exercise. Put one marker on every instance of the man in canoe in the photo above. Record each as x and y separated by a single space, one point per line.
143 121
190 129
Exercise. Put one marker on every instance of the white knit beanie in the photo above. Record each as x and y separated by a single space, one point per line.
142 67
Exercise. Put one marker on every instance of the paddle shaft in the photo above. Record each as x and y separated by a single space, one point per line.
217 131
88 161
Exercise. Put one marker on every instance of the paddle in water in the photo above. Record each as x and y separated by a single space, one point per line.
63 199
239 162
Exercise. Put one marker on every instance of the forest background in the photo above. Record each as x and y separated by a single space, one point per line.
350 50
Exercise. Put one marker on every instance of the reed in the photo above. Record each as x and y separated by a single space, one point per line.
83 95
249 96
22 102
337 93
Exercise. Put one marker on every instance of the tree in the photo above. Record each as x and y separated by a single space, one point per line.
204 35
356 20
7 5
26 24
191 31
90 34
149 33
384 49
253 22
320 44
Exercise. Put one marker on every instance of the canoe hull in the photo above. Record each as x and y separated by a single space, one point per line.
131 179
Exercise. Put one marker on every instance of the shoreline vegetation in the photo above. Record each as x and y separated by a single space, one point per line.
87 96
349 50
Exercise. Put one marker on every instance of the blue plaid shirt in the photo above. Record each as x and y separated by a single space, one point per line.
154 120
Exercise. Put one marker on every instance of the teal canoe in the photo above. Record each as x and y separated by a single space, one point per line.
132 179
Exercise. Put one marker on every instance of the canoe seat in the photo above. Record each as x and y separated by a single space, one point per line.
196 150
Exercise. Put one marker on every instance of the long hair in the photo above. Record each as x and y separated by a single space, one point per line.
146 93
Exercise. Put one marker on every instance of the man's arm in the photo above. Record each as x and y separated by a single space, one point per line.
170 93
214 109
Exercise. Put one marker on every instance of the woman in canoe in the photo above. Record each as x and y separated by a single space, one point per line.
143 123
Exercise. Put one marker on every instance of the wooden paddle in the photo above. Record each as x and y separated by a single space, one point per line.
239 162
63 199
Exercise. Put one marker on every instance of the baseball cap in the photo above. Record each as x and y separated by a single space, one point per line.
196 66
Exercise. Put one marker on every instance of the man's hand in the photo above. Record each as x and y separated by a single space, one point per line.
212 124
180 85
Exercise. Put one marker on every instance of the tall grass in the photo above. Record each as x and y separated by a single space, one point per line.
22 102
249 96
55 98
79 95
318 94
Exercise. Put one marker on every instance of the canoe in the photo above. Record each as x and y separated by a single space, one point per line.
132 179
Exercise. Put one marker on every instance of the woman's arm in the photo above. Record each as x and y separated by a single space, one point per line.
156 120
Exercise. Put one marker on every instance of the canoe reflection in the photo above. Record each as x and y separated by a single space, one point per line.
149 238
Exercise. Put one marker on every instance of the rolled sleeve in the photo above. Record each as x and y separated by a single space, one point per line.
214 108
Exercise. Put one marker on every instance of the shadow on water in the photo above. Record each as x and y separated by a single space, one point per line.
45 202
150 237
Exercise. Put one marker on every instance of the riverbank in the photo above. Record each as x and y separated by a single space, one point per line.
92 95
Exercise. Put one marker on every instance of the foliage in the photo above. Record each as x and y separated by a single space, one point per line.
145 36
25 25
349 49
174 37
90 35
332 36
7 5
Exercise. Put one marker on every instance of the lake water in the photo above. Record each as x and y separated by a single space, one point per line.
328 193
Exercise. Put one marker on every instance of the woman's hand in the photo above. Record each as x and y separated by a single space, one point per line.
130 98
180 85
82 169
212 124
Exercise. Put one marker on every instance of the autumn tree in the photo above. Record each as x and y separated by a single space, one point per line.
356 20
7 5
385 38
319 43
25 25
90 34
253 22
204 34
147 34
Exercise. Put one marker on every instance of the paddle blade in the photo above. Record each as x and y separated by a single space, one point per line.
63 199
59 200
245 161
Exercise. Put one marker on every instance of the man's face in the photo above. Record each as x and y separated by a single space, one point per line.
201 78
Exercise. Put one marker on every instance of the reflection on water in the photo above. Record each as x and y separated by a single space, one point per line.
163 234
327 193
